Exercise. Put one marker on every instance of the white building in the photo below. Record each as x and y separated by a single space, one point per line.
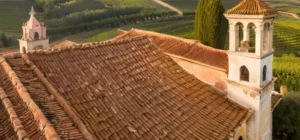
34 35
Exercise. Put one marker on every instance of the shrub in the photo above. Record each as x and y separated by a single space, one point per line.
5 41
286 120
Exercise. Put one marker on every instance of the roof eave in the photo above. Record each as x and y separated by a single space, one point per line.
239 16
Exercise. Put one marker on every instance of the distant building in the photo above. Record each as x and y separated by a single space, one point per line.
142 85
34 35
63 44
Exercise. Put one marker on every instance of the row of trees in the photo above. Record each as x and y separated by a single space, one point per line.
46 7
107 23
5 41
92 15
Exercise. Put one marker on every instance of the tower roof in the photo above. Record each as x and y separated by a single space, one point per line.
32 12
32 22
252 7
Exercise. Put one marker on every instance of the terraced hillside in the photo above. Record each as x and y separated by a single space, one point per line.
285 5
191 5
180 26
13 13
287 36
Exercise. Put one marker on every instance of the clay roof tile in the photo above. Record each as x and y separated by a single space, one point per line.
153 92
252 7
185 48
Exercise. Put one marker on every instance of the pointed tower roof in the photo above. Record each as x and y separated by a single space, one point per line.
252 7
32 12
32 22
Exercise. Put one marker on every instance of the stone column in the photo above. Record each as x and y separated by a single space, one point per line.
270 38
233 38
246 33
258 40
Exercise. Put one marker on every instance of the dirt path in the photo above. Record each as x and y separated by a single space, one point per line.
289 14
169 6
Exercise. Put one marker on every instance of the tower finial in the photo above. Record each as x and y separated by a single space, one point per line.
32 12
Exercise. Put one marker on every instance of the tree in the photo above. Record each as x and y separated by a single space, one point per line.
210 24
6 41
286 120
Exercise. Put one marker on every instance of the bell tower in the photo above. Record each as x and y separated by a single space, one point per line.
34 35
250 56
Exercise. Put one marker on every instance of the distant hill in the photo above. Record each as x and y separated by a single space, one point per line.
284 5
13 13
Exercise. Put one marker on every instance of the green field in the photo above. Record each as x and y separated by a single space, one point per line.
287 70
13 13
191 5
288 5
180 26
287 36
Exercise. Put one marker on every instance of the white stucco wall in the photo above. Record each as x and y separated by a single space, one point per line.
254 65
31 45
259 126
204 73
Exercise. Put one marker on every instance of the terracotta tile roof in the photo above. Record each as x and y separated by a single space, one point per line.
54 113
10 124
3 52
63 44
187 48
131 90
252 7
34 122
276 98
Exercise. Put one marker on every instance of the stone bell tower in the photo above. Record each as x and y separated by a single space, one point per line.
34 35
250 81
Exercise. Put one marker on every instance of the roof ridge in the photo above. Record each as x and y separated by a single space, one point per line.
60 99
191 41
90 45
13 117
44 125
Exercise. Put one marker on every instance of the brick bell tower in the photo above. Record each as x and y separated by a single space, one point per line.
250 81
34 35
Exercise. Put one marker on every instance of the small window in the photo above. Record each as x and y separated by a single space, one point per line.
23 50
240 138
265 73
244 74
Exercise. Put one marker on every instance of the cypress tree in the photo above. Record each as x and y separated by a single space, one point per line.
210 24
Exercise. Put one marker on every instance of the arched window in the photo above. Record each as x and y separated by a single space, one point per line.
252 36
265 73
36 36
244 74
240 138
239 35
